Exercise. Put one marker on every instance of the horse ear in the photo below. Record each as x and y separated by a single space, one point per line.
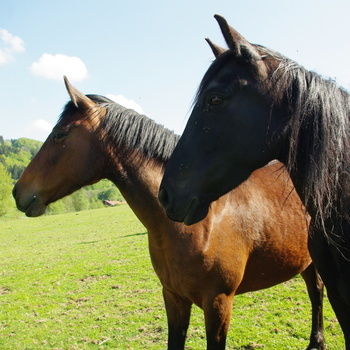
235 41
78 98
217 50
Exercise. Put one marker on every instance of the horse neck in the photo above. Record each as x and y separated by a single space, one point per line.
138 180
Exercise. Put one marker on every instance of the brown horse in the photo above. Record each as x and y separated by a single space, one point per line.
254 105
253 238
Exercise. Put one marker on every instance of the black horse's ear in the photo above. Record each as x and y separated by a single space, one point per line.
217 50
236 42
78 98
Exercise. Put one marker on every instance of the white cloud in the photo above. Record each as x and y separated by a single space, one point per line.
42 125
55 66
11 45
4 57
122 100
38 129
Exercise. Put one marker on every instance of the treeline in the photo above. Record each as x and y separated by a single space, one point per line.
15 156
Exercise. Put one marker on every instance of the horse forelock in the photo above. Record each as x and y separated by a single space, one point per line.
69 112
211 72
228 55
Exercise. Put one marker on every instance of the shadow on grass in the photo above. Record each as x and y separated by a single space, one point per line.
135 234
100 240
250 347
91 242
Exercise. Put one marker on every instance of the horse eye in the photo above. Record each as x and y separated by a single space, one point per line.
215 100
59 135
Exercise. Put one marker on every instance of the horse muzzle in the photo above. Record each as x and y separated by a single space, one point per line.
28 202
188 209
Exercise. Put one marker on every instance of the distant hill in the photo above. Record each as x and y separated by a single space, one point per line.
16 154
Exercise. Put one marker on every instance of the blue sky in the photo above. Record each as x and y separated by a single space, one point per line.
151 53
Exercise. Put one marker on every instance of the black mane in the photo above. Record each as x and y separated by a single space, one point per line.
318 128
128 130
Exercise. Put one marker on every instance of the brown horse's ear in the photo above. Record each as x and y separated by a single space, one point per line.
235 41
78 98
217 50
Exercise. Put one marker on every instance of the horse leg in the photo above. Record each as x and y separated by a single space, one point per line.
338 294
342 312
326 258
217 313
178 312
315 289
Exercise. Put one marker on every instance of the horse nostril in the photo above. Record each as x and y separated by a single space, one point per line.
163 197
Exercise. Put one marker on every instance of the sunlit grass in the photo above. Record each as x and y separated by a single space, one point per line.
85 281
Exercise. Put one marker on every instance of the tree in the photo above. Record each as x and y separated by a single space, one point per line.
5 190
80 200
111 193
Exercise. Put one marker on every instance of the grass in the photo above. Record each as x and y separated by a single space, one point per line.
85 281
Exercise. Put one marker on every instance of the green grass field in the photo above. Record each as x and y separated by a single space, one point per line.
85 281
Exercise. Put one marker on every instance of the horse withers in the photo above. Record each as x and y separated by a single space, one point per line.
254 105
253 238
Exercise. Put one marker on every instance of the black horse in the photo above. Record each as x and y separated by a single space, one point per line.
254 105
